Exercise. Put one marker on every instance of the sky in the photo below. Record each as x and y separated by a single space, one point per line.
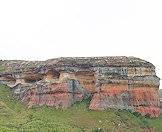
44 29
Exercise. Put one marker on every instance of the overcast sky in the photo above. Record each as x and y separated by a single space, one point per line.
43 29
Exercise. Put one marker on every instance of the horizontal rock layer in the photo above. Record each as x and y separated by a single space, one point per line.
110 82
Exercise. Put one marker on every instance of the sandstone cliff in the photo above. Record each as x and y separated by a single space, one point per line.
110 82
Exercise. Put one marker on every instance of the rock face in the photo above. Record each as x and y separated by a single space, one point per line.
161 98
110 82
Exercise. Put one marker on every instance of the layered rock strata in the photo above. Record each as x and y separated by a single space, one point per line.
110 82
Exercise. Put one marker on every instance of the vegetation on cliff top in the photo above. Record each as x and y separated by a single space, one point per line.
14 116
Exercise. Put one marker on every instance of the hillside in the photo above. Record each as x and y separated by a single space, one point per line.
14 116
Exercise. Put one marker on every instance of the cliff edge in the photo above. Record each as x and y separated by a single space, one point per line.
110 82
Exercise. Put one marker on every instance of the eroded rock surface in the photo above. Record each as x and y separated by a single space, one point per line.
110 82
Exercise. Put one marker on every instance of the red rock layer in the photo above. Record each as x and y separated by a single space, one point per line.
144 100
56 94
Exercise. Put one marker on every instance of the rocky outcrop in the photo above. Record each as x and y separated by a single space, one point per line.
110 82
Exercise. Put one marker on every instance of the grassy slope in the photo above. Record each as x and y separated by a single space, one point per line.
14 116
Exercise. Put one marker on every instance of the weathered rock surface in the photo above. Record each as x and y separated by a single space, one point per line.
110 82
161 98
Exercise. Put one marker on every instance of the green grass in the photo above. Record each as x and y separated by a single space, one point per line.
14 116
